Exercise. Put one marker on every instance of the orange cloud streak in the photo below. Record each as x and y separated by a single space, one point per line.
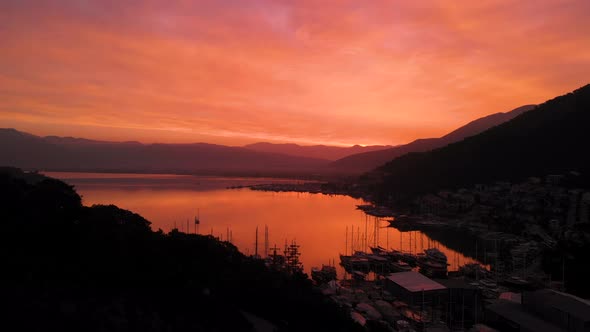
233 72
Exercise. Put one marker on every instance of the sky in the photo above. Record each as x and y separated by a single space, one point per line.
235 72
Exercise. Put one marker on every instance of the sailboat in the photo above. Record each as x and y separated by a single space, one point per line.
197 222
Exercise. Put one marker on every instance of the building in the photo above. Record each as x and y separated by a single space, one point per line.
511 317
567 311
424 296
462 305
542 310
415 289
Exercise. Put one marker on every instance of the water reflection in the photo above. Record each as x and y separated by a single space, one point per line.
324 226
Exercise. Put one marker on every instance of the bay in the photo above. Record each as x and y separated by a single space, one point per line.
324 226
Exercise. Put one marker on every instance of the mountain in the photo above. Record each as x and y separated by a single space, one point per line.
550 139
314 151
74 154
364 162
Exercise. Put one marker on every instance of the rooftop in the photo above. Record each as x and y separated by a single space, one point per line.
565 302
515 313
414 281
455 283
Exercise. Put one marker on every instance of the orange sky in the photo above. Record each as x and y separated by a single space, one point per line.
309 72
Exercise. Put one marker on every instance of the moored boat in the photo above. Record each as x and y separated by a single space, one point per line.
400 266
436 255
358 275
324 274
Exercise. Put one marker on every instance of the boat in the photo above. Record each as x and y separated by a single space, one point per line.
358 275
409 258
400 266
431 267
324 274
378 250
488 283
354 262
344 259
436 255
474 270
392 254
428 264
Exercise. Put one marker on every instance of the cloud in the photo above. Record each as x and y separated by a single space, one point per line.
235 72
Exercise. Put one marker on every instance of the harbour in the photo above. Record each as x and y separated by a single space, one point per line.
319 223
355 254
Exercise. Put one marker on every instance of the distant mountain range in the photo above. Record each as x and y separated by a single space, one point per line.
364 162
74 154
28 151
550 139
314 151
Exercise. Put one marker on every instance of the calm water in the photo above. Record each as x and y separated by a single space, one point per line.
324 226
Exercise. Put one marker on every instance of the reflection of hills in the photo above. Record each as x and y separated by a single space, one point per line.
159 182
367 161
73 154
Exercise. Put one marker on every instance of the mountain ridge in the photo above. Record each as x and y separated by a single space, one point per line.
546 140
327 152
21 149
367 161
28 151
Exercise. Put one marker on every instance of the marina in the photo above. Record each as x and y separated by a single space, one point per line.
349 254
324 226
381 267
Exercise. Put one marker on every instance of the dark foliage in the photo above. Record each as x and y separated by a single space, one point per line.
101 268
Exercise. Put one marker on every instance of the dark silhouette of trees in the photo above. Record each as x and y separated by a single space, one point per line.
70 267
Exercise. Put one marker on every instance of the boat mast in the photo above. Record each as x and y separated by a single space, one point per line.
366 221
358 236
197 221
256 244
265 240
346 242
387 238
352 240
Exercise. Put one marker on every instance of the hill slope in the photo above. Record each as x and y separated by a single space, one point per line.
367 161
65 153
314 151
549 139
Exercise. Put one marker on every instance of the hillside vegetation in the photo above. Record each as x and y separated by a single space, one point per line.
71 267
550 139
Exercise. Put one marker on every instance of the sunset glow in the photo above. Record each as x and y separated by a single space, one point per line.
319 223
309 72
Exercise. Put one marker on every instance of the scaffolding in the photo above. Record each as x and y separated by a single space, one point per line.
291 253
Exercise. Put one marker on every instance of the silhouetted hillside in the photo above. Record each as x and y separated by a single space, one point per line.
314 151
74 154
549 139
367 161
68 267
